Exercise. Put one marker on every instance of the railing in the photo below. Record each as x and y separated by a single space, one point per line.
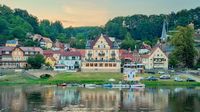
102 60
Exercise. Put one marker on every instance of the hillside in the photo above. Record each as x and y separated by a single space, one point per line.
17 23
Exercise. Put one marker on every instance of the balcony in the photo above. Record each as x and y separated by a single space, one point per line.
111 60
101 54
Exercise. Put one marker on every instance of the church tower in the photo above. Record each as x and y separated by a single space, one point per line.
163 37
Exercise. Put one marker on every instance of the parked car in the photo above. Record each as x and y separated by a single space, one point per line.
152 78
190 80
165 77
178 79
161 72
151 72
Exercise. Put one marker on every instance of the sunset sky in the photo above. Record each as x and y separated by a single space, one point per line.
96 12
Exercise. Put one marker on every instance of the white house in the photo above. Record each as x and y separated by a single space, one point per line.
70 61
156 59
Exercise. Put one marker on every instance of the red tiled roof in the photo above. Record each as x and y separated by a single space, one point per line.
121 51
32 49
82 51
7 48
131 57
71 53
48 53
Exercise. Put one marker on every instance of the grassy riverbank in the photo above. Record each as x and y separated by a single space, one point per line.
95 78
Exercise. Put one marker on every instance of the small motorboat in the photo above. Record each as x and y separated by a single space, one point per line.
90 85
137 85
107 85
63 84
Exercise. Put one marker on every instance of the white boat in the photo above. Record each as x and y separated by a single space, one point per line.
128 86
137 85
90 85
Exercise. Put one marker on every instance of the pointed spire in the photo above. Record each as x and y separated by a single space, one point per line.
164 32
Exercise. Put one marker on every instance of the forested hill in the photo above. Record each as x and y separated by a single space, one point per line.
149 27
17 23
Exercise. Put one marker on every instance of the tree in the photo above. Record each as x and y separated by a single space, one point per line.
128 42
198 64
36 61
183 43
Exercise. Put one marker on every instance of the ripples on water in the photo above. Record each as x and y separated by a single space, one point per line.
52 98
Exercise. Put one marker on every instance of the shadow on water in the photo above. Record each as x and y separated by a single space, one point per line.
51 98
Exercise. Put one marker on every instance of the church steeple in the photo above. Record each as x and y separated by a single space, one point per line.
163 37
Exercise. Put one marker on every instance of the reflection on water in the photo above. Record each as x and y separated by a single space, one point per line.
44 98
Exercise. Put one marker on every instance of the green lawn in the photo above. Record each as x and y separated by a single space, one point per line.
79 77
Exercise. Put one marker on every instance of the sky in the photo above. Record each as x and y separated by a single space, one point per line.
96 12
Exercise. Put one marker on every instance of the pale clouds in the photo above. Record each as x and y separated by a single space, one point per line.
81 16
96 12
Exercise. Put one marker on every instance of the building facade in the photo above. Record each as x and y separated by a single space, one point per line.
101 55
16 57
46 43
157 59
12 43
70 61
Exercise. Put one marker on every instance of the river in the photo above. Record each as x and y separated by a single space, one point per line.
51 98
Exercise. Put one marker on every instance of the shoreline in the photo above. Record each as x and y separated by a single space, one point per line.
85 78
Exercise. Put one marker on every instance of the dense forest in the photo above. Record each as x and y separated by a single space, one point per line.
17 23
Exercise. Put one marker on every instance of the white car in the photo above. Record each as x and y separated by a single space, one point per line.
165 77
161 72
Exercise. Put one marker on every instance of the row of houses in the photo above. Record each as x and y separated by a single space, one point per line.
100 55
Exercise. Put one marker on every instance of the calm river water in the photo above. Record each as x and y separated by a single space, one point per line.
51 98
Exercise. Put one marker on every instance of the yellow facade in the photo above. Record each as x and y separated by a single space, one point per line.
49 45
101 57
51 61
11 45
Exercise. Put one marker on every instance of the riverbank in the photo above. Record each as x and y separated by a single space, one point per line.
83 78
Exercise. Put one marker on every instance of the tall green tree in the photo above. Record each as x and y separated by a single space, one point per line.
36 61
128 42
184 51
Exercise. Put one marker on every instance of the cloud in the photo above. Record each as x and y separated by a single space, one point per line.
82 16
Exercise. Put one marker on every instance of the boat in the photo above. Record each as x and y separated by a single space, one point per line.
63 84
137 85
90 85
125 86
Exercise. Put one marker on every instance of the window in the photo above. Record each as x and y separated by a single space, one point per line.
114 65
87 64
101 64
73 58
106 65
91 64
95 64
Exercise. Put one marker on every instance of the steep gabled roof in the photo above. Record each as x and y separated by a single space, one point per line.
152 51
110 43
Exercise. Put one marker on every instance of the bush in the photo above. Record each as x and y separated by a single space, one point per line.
45 76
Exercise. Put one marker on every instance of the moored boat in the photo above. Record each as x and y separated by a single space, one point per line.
63 84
